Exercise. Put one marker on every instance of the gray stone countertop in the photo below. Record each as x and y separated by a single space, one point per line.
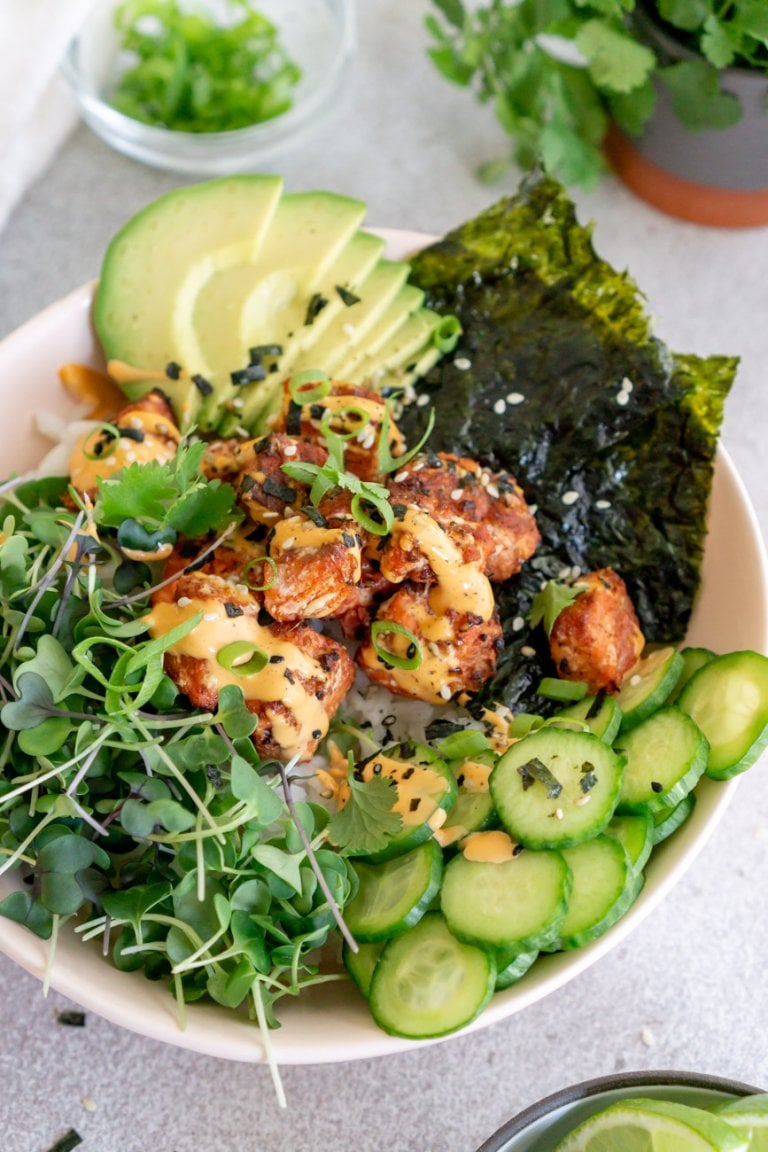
686 990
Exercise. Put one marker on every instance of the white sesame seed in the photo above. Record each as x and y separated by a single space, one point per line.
211 616
88 1103
493 491
422 399
515 398
401 476
462 363
602 504
289 543
445 692
348 329
518 623
183 602
290 450
485 479
533 509
130 456
635 680
418 467
582 800
569 497
623 399
647 1037
237 403
564 573
559 813
457 494
575 572
626 384
135 422
162 429
526 649
500 407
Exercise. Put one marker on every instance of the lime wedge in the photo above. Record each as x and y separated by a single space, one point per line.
641 1125
748 1117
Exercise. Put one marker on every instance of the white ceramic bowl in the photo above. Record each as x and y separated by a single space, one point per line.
332 1023
539 1127
319 35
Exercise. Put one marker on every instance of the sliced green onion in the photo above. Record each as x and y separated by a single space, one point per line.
242 657
310 386
554 689
412 658
252 564
464 745
447 334
386 461
103 447
524 723
380 527
342 411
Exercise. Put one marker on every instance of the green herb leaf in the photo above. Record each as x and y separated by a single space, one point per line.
550 602
616 61
367 822
694 88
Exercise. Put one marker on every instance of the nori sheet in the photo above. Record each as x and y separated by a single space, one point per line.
545 317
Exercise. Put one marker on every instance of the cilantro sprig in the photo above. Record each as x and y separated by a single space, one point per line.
550 601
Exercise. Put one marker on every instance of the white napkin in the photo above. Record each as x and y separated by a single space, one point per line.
36 108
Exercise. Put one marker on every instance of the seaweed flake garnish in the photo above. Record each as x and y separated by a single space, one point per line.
314 308
534 770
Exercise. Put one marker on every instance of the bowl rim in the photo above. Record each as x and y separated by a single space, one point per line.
96 108
597 1086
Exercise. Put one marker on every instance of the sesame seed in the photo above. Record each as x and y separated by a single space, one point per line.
211 616
462 363
422 399
569 497
564 573
493 491
559 813
623 399
636 679
515 398
626 385
348 329
130 456
290 450
445 692
602 504
183 602
575 572
135 422
500 407
518 624
526 650
88 1103
533 509
580 801
457 494
401 476
237 402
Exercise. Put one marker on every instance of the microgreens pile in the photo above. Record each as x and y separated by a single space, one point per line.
155 824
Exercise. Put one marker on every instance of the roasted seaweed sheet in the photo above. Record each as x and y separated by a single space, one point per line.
615 435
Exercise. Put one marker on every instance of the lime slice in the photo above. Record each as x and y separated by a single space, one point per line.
748 1117
641 1125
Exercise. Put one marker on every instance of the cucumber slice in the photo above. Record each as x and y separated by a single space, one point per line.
666 756
604 886
693 659
634 831
556 788
667 822
428 983
601 714
473 810
361 964
517 904
649 685
426 788
395 894
728 699
512 966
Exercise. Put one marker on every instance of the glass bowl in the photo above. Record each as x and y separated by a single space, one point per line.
540 1127
318 35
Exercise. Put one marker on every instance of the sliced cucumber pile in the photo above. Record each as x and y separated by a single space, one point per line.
541 849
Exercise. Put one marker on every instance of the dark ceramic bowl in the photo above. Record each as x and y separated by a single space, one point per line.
540 1127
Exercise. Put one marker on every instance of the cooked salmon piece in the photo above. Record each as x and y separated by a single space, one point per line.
314 566
597 638
147 431
482 510
300 678
458 651
264 491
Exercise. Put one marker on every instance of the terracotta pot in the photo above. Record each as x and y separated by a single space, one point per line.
717 177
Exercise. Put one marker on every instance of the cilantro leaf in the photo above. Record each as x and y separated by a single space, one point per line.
140 491
616 61
367 822
550 602
694 88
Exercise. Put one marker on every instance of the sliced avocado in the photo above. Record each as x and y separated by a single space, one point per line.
407 301
263 300
349 272
392 358
154 266
349 329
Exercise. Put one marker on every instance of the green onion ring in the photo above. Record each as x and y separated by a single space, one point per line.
300 388
109 444
389 463
242 657
404 663
382 506
447 333
252 564
343 410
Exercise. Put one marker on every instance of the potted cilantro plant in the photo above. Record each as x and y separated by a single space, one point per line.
672 93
